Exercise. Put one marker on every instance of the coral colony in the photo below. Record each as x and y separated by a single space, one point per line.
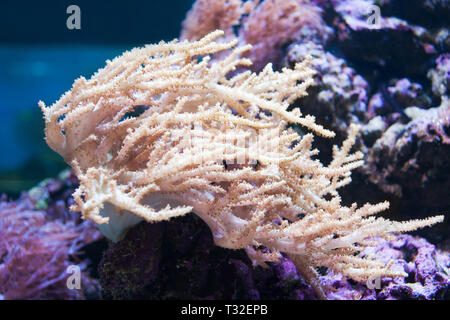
211 139
276 199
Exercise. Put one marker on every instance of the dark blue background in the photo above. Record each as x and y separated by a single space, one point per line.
103 21
40 58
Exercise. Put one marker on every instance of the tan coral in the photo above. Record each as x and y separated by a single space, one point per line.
217 143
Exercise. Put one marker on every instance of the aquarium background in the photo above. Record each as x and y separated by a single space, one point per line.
40 57
389 74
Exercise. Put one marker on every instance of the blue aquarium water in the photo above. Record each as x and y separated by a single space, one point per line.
29 74
41 56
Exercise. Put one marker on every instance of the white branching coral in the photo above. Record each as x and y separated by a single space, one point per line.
165 130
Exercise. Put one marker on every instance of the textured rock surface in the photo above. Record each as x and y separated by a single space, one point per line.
440 76
391 77
189 266
339 96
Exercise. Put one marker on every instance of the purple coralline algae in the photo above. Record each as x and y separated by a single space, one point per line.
429 13
391 76
180 261
440 76
339 96
40 241
427 269
371 39
390 101
405 152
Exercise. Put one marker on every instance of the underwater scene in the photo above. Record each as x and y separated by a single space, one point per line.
225 150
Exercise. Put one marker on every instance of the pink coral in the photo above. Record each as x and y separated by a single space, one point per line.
207 16
268 26
35 252
275 23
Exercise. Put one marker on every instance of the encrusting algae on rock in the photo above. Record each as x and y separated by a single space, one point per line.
166 130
